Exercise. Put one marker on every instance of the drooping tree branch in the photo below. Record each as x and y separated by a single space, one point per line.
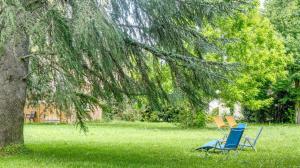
85 47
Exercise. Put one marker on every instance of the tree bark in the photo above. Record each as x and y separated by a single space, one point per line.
297 104
13 90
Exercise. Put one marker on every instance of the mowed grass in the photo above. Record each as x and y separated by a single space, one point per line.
125 144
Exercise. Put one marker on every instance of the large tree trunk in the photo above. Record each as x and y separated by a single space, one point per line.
297 106
13 71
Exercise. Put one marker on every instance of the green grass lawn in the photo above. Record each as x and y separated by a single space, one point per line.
123 144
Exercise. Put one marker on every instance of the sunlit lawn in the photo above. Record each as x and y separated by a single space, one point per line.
124 144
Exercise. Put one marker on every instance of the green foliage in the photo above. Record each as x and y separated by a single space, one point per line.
108 114
284 101
154 116
102 49
201 119
185 116
261 54
282 109
167 114
189 118
170 113
129 115
285 17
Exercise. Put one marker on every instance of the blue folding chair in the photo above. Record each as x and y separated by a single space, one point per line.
240 125
231 143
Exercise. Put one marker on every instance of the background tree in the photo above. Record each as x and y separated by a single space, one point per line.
261 54
285 17
73 53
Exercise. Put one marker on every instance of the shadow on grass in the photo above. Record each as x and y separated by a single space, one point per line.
110 155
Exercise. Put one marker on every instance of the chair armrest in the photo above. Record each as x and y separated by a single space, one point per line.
248 138
221 141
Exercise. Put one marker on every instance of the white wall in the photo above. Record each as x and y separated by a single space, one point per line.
224 110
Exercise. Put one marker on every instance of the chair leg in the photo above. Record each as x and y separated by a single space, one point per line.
236 153
252 146
227 154
243 146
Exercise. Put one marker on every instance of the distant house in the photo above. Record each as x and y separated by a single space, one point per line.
43 113
217 106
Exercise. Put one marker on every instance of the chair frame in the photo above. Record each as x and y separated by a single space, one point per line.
225 149
249 142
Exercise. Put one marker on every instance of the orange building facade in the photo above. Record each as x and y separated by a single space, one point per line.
49 114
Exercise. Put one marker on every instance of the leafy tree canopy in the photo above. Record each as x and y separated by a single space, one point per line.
285 17
83 51
261 53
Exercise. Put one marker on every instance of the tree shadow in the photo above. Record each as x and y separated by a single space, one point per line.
107 155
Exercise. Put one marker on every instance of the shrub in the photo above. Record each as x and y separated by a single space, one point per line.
169 114
145 114
188 118
183 115
129 115
201 119
154 116
108 113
